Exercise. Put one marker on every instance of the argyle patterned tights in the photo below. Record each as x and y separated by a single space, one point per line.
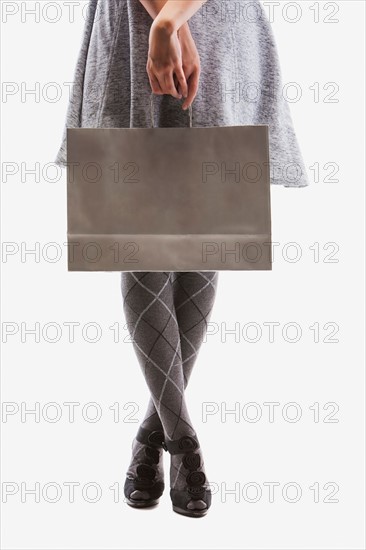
167 315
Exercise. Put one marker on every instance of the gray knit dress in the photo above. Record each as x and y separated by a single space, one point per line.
240 80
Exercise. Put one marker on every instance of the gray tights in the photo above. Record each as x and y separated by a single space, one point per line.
167 315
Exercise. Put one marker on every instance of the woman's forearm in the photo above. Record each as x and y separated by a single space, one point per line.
172 14
153 7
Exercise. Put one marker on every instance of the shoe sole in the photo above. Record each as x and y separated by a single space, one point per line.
191 513
142 503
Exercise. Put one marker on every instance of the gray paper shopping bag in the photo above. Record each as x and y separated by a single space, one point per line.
168 199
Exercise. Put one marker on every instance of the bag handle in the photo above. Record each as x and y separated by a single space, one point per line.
152 111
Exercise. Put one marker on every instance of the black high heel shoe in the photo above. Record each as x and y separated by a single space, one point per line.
197 488
146 473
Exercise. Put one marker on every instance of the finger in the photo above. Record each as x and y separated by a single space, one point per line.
154 82
160 80
182 81
170 86
155 86
193 83
177 85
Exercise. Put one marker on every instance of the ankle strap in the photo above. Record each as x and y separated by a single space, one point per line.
186 444
154 438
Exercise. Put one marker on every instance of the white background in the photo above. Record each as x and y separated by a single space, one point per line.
323 289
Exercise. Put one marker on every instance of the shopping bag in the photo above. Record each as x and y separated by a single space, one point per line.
168 199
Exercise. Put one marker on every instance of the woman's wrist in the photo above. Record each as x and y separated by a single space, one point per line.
184 29
166 26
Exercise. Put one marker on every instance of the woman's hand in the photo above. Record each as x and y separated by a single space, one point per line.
164 62
190 62
173 64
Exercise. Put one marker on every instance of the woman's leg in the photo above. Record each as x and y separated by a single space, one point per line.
194 296
153 309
